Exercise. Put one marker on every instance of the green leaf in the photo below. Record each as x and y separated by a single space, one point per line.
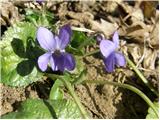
80 78
151 114
19 54
78 39
30 14
56 93
42 21
75 51
40 18
45 109
80 66
79 42
68 76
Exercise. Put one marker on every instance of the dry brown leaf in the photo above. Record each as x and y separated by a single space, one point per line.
154 41
137 33
149 8
87 18
110 6
84 17
135 51
137 15
106 27
150 58
133 28
9 13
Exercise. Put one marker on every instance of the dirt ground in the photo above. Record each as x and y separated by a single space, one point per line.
138 30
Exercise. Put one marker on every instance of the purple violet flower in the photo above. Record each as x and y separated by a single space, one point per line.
111 56
40 1
55 46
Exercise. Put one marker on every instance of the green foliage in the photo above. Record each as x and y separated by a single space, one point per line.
79 42
151 114
80 66
19 54
45 109
56 93
39 18
80 78
31 14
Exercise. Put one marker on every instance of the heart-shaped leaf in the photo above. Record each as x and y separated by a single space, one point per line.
56 93
45 109
19 52
151 114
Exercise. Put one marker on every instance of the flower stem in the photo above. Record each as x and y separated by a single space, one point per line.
141 75
75 97
134 89
73 94
90 53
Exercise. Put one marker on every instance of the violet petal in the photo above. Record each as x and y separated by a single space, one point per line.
43 61
65 36
58 42
69 61
53 63
40 1
120 59
116 39
107 47
57 62
45 39
110 62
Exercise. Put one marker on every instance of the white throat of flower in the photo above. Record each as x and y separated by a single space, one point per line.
58 52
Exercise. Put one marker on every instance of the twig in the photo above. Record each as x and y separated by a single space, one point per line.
82 29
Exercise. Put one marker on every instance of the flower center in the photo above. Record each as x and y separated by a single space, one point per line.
57 52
